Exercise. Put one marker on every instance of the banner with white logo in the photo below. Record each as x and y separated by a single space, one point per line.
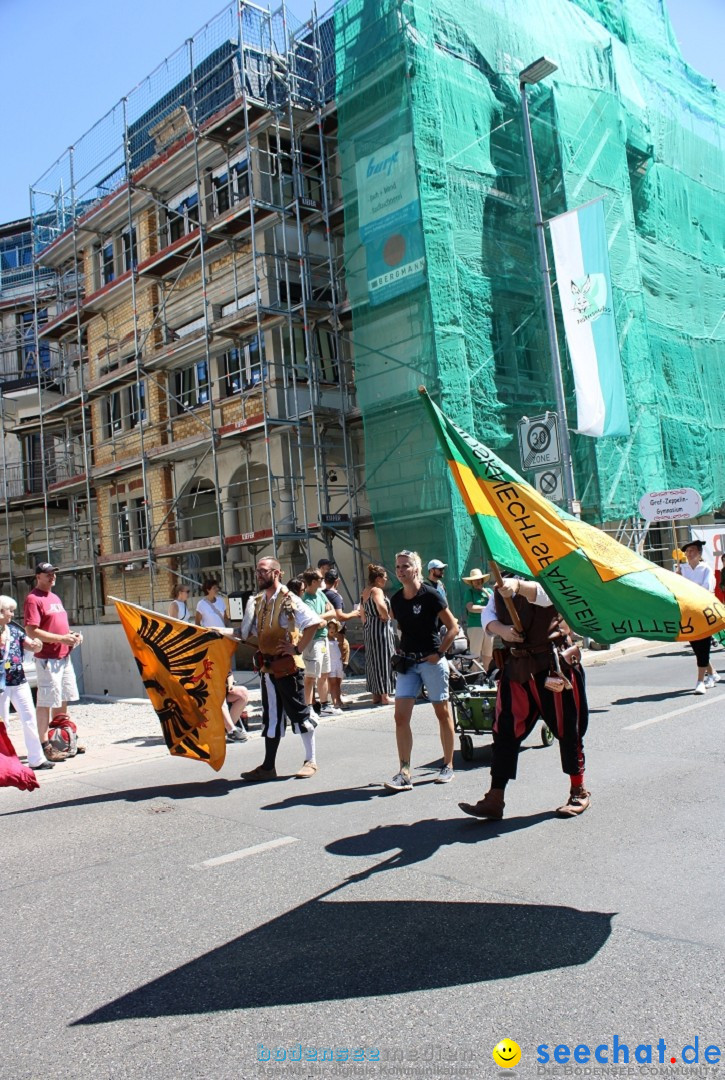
389 215
581 257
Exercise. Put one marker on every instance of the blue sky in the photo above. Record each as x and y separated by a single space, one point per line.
64 65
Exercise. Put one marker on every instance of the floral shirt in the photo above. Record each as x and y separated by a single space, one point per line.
13 657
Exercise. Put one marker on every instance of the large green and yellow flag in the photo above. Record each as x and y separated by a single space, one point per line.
184 670
604 590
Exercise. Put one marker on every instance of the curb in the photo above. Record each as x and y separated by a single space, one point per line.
595 657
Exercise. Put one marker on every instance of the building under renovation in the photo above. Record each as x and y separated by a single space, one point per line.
216 318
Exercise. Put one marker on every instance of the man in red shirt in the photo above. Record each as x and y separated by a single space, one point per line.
46 618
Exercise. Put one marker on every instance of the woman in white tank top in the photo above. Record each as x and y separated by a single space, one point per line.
179 606
211 609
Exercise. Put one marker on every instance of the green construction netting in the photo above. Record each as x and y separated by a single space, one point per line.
434 84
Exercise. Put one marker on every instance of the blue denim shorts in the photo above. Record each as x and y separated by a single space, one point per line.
434 677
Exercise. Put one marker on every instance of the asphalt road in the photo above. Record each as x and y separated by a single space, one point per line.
161 921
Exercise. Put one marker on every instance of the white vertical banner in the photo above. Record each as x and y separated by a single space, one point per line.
581 258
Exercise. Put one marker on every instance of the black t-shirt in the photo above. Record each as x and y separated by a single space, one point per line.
417 619
337 602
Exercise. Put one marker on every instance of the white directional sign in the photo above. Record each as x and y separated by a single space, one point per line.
549 483
674 505
539 441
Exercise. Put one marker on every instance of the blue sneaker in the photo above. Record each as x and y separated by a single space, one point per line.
400 782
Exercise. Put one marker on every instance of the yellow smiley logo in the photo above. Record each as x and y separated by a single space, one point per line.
507 1053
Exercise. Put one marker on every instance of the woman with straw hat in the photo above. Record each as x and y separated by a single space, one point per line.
476 597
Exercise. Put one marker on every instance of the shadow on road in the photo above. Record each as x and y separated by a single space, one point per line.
421 839
207 789
327 950
336 797
666 695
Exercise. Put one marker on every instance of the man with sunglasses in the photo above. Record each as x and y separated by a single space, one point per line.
283 626
436 571
46 619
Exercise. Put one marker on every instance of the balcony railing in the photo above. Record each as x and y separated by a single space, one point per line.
26 478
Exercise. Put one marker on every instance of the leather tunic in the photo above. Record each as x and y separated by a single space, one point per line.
269 630
533 654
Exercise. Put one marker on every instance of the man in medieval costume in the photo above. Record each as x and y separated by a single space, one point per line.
541 677
283 627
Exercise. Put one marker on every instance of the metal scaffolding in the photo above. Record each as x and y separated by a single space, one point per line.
187 279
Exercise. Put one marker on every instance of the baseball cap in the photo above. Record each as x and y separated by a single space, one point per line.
45 568
436 564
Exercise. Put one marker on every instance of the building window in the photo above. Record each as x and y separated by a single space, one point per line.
139 523
192 386
128 249
291 293
33 463
183 215
32 350
107 263
230 186
16 253
123 527
325 346
131 530
112 414
125 409
295 351
137 404
244 368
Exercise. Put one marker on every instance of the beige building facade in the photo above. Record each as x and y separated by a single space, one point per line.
199 409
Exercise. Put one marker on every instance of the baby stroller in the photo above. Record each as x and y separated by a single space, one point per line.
473 697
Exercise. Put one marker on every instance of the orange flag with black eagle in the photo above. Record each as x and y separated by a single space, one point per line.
184 670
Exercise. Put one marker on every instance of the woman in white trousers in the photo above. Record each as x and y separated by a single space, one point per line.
14 688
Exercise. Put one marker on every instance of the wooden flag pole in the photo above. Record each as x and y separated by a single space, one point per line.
508 600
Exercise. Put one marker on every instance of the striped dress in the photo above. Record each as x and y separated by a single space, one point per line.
379 639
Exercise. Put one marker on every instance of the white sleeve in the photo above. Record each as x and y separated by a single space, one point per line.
541 599
249 622
488 615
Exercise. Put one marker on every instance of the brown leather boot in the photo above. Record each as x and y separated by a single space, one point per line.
579 799
489 807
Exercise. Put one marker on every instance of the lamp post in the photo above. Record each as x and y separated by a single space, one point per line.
531 75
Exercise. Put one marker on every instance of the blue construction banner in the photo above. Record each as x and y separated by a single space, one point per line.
389 219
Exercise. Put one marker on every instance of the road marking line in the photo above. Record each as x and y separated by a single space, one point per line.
234 855
665 716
